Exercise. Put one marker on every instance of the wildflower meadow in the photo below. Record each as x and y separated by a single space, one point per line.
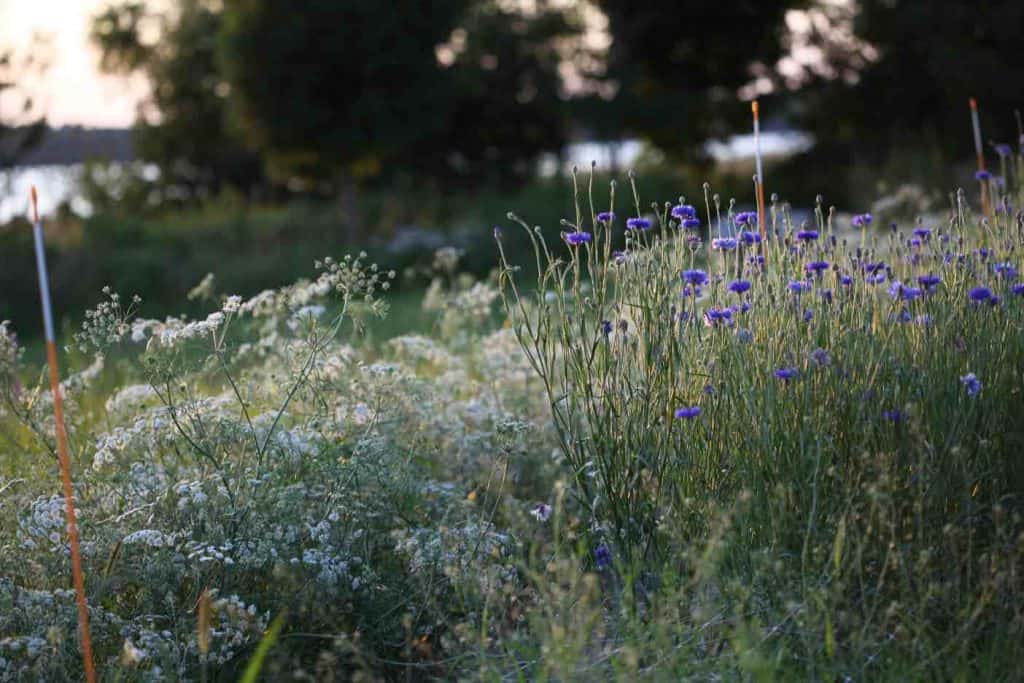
675 442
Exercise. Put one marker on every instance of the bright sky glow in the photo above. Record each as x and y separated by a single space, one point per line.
72 90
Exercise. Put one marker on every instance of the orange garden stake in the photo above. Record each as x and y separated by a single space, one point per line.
979 150
760 169
62 442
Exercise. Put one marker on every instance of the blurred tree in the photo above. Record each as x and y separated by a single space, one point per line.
679 65
923 60
502 79
182 126
22 126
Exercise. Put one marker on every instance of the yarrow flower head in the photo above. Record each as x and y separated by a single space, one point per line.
862 220
694 277
807 235
606 217
723 243
683 211
739 286
971 383
638 224
578 237
689 413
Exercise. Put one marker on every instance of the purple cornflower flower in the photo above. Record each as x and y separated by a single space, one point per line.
746 218
894 415
982 175
862 220
694 277
786 374
929 282
638 224
714 317
816 267
820 357
577 238
620 257
748 237
845 280
606 217
1017 289
874 267
1002 149
602 556
541 512
923 233
980 294
606 327
1005 270
971 383
900 291
739 286
798 286
826 294
684 211
691 223
723 243
688 413
807 235
808 315
691 290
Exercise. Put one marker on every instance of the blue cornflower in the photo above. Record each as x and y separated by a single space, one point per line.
1003 149
638 224
746 218
756 260
982 175
684 211
786 374
980 294
845 280
688 413
602 556
929 282
694 277
691 223
894 415
606 327
870 267
620 257
923 233
816 267
1005 270
808 315
971 383
862 220
606 217
900 291
713 317
821 357
577 238
748 237
1017 289
798 286
739 286
723 243
691 290
807 235
826 294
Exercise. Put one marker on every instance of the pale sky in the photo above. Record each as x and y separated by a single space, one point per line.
72 91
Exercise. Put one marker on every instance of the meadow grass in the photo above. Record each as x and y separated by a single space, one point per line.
679 450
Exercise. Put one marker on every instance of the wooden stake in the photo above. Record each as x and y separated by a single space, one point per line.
62 442
980 151
760 170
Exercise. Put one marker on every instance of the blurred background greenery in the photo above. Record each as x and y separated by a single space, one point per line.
274 133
